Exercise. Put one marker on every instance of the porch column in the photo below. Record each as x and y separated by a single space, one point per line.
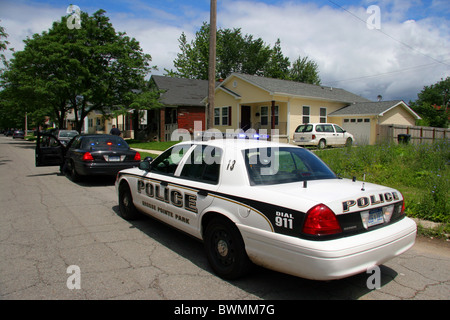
162 124
272 124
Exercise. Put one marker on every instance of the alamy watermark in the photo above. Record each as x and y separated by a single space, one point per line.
74 280
374 280
74 20
374 20
266 157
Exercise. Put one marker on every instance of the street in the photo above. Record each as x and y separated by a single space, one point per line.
65 240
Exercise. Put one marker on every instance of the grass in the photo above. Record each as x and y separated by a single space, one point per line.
420 172
159 146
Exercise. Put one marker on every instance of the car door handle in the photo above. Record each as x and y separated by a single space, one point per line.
202 193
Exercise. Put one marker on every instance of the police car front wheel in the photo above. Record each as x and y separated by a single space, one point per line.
225 249
126 207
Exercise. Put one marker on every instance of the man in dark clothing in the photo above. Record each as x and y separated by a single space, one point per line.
114 131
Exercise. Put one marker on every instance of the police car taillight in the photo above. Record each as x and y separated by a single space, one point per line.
402 212
321 220
88 157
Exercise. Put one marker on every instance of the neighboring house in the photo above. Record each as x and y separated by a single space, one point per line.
182 100
244 101
364 118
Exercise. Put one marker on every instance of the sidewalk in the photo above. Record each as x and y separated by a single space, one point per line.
148 151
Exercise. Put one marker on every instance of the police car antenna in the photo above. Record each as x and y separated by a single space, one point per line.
364 181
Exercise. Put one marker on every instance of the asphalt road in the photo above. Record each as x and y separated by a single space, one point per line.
65 240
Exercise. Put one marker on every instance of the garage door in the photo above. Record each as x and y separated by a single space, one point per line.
359 128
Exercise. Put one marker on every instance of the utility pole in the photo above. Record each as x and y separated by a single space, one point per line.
212 64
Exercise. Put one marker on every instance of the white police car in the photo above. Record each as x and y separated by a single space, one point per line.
276 205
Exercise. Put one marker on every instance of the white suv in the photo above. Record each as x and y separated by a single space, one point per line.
321 135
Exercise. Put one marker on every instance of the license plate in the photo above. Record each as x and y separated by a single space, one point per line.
302 138
113 159
375 217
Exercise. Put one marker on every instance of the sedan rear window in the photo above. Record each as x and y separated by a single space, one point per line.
284 165
103 142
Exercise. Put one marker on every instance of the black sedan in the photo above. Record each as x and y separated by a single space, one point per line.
18 134
93 154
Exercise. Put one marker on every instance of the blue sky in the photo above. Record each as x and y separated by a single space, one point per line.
410 49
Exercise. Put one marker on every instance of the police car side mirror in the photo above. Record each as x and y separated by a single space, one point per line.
146 164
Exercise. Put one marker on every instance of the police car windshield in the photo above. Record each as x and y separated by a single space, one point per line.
284 165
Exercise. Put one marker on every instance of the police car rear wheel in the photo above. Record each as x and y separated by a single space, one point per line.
225 249
126 207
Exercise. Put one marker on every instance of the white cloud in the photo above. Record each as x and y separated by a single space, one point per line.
345 48
341 44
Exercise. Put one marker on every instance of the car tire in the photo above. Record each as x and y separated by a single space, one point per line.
127 209
72 171
225 249
322 144
349 142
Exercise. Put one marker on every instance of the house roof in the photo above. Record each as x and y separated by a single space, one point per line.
181 92
378 108
293 88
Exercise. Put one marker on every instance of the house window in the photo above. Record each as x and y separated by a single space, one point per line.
217 116
225 116
264 116
222 116
306 114
323 115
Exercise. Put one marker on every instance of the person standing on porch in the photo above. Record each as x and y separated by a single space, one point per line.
114 131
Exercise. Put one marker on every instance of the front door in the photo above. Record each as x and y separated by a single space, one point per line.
49 151
245 118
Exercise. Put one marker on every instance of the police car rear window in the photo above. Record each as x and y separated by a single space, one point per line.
284 165
103 142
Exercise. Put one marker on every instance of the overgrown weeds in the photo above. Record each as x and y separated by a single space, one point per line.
421 172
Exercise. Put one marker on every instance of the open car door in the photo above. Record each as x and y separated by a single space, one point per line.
49 150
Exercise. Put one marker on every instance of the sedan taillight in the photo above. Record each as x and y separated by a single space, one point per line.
88 157
137 156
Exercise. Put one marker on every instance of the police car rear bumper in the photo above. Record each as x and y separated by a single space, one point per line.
328 260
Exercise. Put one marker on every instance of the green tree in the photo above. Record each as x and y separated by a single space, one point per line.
277 66
235 53
86 69
432 104
238 53
3 46
305 70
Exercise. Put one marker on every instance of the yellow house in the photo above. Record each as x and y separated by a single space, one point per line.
279 106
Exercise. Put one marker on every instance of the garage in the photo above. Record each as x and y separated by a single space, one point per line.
359 128
362 119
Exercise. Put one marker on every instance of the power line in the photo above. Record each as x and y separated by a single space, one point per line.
385 73
391 37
